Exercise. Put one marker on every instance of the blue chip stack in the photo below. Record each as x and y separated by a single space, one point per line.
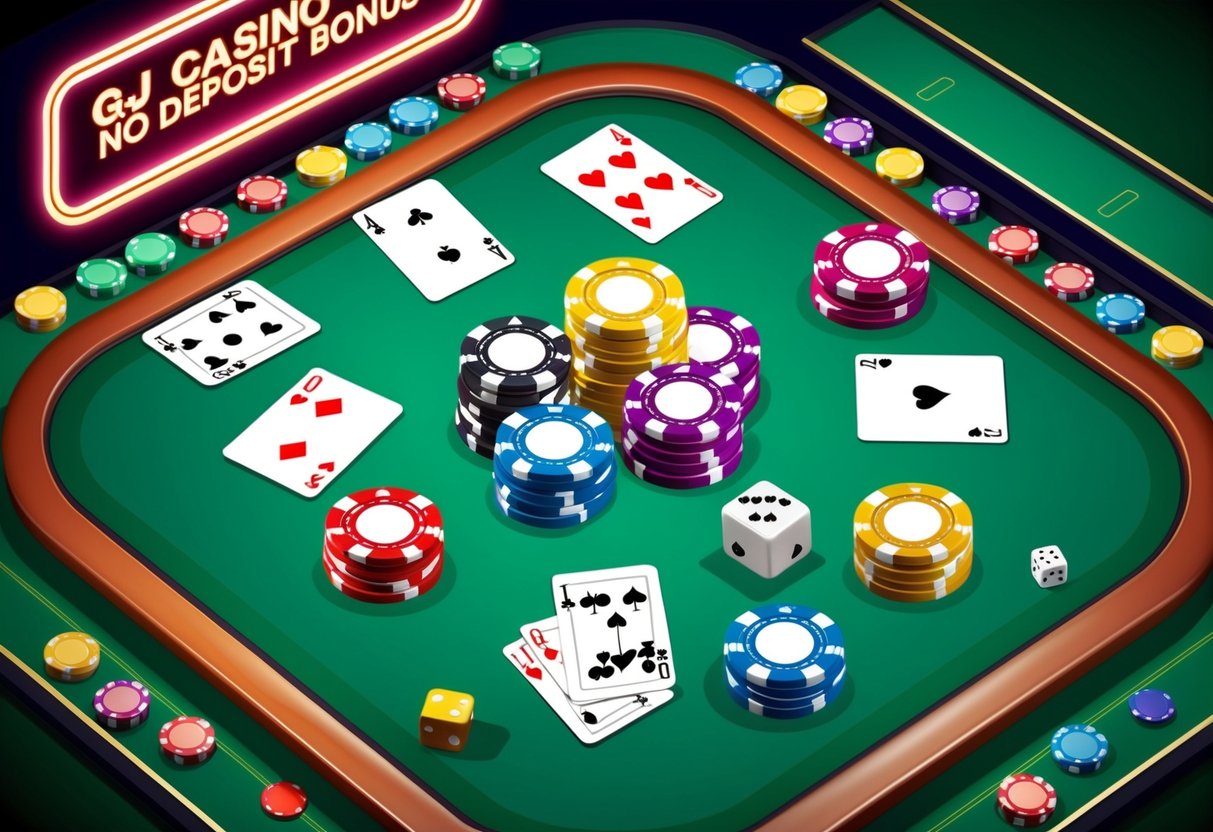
784 661
1120 313
1079 749
553 466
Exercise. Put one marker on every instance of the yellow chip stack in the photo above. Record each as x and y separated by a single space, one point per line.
901 166
913 542
40 309
1179 347
623 316
71 657
320 166
802 102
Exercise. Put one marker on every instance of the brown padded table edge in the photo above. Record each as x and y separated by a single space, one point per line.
873 782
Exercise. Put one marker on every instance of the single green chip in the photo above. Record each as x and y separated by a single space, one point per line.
150 253
516 60
101 278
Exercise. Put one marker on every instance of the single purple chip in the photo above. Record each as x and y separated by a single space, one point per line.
1152 706
956 203
853 136
122 704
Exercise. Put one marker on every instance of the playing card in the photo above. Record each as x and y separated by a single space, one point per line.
931 398
230 332
639 187
543 639
313 432
590 722
613 632
433 239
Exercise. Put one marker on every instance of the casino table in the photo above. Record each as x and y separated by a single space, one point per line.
114 461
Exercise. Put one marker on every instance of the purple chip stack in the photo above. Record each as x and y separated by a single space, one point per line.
956 203
853 136
682 425
729 343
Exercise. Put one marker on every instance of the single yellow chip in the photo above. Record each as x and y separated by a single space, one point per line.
41 303
1177 342
802 102
72 654
321 164
901 166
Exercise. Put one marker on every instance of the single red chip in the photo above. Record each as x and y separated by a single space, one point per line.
1026 800
187 740
1014 243
461 91
261 194
284 800
203 227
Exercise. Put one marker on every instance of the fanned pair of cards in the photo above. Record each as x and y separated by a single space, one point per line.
604 660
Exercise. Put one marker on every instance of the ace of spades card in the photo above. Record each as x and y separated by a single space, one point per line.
433 239
613 632
632 183
230 332
931 398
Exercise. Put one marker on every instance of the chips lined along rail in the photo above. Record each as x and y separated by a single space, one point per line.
1017 244
1177 346
40 309
784 661
957 204
368 140
1079 749
261 194
1070 282
188 740
71 657
516 60
203 227
1026 800
151 254
461 90
1120 313
870 275
101 278
900 166
913 542
759 78
728 343
320 166
553 466
623 317
383 545
853 136
122 704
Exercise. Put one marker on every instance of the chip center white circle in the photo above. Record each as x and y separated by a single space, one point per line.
871 259
785 642
911 520
684 401
624 294
516 351
385 524
707 343
554 439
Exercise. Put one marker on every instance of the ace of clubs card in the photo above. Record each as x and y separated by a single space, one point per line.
313 432
640 188
613 632
435 241
931 398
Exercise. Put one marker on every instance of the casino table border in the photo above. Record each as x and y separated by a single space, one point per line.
862 787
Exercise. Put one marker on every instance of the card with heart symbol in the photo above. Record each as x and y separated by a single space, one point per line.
613 632
313 432
931 398
230 332
637 186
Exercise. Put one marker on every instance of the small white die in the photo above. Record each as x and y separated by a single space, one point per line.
1048 566
767 529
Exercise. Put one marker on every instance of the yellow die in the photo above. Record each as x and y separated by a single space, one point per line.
446 719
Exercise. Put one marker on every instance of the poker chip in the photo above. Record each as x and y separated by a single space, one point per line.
915 579
912 525
101 278
380 592
900 166
1070 282
122 704
1017 244
187 740
561 518
517 60
853 136
668 476
516 355
651 455
148 255
283 800
957 204
320 166
394 579
1079 749
759 78
785 647
871 263
802 102
71 657
554 444
40 309
749 699
1026 800
1120 313
203 227
863 316
368 140
682 403
385 527
1179 347
461 91
723 340
413 115
1152 706
261 194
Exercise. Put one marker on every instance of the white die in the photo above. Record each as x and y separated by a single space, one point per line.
1048 566
766 528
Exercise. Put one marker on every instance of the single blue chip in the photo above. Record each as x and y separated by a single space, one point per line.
759 78
414 115
554 445
368 140
782 646
1152 705
1120 312
1079 749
